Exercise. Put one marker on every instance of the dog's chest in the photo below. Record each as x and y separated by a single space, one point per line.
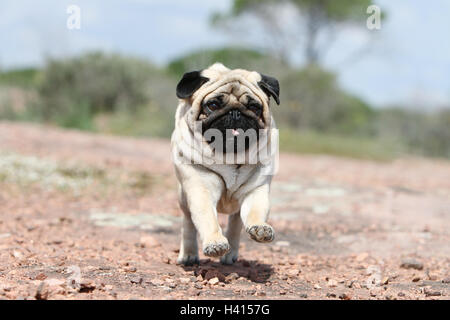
234 176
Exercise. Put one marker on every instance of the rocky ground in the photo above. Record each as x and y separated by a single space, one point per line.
86 216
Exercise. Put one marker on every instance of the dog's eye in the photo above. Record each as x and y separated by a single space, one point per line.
255 108
212 106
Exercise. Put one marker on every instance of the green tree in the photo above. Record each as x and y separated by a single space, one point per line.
312 18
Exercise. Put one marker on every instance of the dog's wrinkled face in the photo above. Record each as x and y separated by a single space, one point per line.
232 102
233 110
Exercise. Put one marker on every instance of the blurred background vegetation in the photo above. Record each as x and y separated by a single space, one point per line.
125 95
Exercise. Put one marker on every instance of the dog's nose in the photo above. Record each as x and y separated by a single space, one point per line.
235 114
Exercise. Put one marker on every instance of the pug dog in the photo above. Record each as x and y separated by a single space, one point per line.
229 103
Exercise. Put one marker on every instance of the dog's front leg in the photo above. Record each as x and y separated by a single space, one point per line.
254 214
200 201
188 248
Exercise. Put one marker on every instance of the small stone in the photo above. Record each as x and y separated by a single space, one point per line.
87 286
282 292
385 280
283 243
362 256
198 286
293 273
345 296
432 293
130 269
199 278
411 264
54 282
331 295
157 282
166 260
213 273
332 283
416 279
349 284
303 295
185 280
431 276
136 279
16 254
213 281
401 294
231 277
446 280
41 276
316 286
42 291
356 285
149 242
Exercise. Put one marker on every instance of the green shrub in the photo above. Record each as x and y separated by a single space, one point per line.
74 90
312 99
24 78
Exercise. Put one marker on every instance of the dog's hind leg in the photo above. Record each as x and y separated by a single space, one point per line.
233 235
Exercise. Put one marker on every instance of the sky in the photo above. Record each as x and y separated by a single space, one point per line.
406 62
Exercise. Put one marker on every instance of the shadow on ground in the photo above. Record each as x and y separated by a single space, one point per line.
249 269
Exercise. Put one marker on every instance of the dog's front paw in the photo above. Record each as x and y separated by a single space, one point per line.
216 247
188 260
261 233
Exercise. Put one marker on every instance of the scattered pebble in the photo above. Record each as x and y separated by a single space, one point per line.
87 286
42 291
157 282
185 280
214 273
293 272
345 296
362 256
231 277
149 242
213 281
166 260
198 286
136 279
283 243
41 276
332 283
432 293
411 264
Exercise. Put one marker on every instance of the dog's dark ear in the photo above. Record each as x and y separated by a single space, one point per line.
190 83
270 86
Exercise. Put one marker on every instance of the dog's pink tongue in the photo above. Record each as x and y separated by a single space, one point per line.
234 132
